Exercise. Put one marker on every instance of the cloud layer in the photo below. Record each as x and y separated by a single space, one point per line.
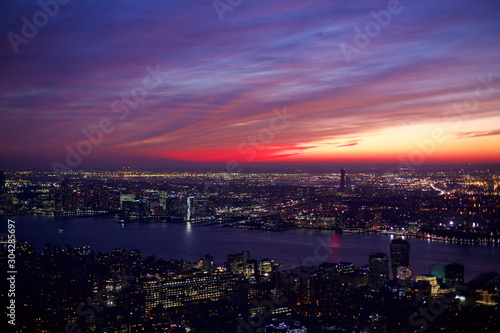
219 81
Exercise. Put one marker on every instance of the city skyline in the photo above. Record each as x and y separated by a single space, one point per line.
306 250
292 82
250 166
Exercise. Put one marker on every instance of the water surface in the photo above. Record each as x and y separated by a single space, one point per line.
183 241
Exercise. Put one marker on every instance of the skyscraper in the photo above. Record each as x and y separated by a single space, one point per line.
342 179
400 255
379 270
64 194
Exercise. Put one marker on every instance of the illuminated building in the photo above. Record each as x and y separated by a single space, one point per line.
432 281
189 208
379 270
250 269
354 280
134 257
400 255
136 210
486 297
236 261
126 197
404 274
173 292
266 268
175 208
163 197
344 268
206 263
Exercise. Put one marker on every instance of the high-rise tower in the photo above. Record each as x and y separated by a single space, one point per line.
379 270
400 255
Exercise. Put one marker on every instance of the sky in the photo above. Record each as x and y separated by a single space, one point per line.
228 82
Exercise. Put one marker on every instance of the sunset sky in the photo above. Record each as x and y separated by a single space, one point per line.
263 81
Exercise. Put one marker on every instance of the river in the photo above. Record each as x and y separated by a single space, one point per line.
184 241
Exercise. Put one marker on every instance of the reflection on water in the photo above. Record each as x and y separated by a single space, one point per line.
188 237
191 242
